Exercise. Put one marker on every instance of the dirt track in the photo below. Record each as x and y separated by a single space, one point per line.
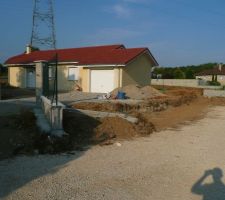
164 166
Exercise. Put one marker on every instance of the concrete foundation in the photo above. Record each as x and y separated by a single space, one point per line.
54 114
98 114
214 93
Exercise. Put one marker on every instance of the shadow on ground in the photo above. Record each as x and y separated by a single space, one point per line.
16 172
210 191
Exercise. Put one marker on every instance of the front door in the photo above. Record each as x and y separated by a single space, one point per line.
31 78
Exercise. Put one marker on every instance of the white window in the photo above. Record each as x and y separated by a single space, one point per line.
73 73
50 72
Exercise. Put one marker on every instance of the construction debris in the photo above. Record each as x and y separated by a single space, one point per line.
138 92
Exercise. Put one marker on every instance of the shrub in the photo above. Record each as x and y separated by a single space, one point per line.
213 83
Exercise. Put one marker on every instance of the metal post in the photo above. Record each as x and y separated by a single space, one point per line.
0 90
56 80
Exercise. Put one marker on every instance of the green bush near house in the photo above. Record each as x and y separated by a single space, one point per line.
213 83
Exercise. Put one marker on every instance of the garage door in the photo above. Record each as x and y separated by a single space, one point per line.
102 81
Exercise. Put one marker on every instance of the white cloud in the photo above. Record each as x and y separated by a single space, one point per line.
120 10
124 9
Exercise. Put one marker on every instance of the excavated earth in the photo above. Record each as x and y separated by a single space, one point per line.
174 107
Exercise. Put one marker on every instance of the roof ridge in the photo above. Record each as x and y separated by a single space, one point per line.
82 47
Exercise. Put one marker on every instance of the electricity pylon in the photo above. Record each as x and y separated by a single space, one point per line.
43 27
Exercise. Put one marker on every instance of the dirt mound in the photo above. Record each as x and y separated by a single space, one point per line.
138 92
116 127
83 129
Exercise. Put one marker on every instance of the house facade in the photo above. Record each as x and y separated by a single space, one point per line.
90 69
215 74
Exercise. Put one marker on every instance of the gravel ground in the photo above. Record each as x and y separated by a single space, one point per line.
76 96
166 165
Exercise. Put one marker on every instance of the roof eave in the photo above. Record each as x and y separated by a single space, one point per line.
19 64
102 65
141 53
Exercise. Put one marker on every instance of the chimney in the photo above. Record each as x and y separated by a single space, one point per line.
220 66
28 49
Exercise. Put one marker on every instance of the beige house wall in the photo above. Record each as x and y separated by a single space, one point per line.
85 79
220 78
207 78
63 83
17 76
67 85
138 71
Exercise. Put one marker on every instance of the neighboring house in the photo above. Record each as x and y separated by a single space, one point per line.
216 73
93 69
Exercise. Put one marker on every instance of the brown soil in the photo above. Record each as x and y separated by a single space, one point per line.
106 106
175 90
17 132
175 97
175 116
83 129
19 135
178 106
217 101
138 92
115 127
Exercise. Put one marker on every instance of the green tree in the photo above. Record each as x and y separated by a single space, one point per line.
188 71
189 74
178 74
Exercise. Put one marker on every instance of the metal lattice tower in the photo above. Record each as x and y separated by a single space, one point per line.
43 28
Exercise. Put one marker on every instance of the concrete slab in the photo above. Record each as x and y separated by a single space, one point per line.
42 122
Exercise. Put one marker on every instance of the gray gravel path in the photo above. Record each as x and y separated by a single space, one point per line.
164 166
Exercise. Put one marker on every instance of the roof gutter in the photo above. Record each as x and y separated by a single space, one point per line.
11 65
102 65
32 64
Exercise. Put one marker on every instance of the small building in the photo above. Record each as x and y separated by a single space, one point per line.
215 74
92 69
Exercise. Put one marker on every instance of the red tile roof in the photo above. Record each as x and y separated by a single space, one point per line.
213 71
111 54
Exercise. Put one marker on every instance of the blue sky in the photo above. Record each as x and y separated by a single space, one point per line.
178 32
